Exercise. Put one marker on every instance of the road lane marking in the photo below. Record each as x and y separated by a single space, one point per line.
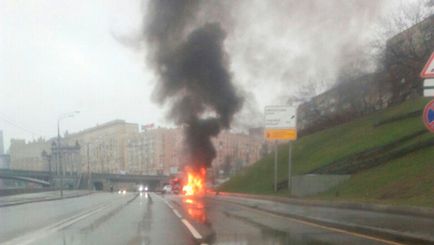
168 204
192 230
165 201
189 226
33 236
321 226
70 222
41 233
177 213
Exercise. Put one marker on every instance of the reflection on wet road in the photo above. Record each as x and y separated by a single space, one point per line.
112 219
228 223
195 208
134 218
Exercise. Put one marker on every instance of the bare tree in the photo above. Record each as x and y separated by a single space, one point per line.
308 90
405 16
358 62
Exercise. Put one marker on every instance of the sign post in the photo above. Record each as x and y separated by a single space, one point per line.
289 168
275 166
280 124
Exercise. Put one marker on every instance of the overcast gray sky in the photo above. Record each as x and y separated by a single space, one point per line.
60 56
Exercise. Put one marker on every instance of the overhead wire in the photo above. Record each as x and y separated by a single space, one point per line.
16 125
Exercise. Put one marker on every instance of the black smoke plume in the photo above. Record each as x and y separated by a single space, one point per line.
192 69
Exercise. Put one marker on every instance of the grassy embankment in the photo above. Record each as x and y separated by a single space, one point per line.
386 153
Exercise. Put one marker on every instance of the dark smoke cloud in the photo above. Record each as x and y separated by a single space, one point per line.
275 49
193 73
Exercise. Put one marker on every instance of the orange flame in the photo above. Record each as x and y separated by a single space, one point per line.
195 184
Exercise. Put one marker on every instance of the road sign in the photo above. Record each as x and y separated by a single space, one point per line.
280 122
280 116
281 134
428 116
428 88
428 69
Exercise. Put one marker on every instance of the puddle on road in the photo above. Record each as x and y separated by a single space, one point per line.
144 227
234 228
261 236
258 234
195 208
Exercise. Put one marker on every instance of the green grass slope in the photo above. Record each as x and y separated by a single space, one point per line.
408 179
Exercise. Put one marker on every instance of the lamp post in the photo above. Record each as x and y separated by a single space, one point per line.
89 175
59 161
47 157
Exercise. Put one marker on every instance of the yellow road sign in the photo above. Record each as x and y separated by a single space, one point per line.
281 134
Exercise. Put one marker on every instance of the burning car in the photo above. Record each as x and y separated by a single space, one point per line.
195 181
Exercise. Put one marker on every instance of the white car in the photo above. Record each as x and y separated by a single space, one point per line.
167 189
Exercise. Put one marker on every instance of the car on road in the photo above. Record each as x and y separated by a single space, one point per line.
142 188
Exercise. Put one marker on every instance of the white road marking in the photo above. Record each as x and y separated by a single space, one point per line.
191 228
165 201
176 213
38 234
324 227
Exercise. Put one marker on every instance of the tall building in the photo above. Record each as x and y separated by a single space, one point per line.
162 151
28 155
5 161
4 158
237 150
104 147
2 150
119 147
156 151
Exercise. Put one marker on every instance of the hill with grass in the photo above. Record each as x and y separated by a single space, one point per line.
389 155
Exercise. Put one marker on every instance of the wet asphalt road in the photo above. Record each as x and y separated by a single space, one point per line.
111 218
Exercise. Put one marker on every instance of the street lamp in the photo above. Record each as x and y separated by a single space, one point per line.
47 157
61 117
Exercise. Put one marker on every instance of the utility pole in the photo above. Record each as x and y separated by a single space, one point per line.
275 166
289 169
59 161
50 168
89 174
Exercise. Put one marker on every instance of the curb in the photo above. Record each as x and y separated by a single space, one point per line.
43 200
382 208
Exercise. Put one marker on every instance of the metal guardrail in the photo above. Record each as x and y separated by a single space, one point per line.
109 176
26 179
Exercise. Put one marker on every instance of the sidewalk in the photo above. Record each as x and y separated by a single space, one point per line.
410 225
39 197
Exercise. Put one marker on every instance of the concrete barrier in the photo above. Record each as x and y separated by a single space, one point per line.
310 184
339 204
16 191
